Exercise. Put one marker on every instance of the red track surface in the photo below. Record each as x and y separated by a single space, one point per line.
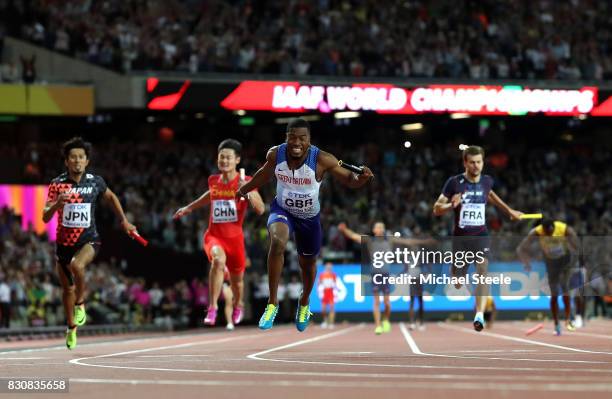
445 360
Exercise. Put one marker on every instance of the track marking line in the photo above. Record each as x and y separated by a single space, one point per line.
521 340
338 374
415 349
256 356
117 341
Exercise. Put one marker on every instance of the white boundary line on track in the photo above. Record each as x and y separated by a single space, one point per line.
521 340
592 387
415 349
159 348
110 342
332 373
255 356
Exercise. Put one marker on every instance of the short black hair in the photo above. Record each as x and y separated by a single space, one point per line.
298 123
548 224
232 145
76 142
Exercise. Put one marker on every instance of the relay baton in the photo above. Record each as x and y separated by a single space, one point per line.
531 216
352 168
134 234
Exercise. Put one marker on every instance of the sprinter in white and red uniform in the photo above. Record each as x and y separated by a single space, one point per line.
74 196
299 168
224 239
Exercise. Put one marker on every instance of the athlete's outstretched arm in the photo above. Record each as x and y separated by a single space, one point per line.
256 202
350 234
262 176
498 202
521 250
202 201
443 205
329 163
111 199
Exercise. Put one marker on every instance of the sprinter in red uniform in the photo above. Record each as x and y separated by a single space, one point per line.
224 239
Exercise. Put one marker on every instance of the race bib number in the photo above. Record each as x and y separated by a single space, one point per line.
224 211
472 215
554 248
77 216
299 203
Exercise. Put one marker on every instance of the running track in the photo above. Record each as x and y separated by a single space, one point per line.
446 360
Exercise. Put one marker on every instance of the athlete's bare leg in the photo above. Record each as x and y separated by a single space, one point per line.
237 285
376 309
279 235
309 274
229 299
215 276
387 301
68 295
482 290
77 267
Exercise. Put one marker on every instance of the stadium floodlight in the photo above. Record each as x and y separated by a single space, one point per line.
347 115
412 127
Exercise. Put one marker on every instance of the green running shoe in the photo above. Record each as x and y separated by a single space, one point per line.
386 326
80 317
71 338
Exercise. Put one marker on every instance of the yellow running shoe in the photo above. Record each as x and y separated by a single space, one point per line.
71 338
570 326
80 317
386 326
378 330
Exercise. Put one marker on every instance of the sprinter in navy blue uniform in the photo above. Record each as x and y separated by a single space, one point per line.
74 196
467 195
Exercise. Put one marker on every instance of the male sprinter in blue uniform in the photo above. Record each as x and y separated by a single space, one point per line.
299 168
467 195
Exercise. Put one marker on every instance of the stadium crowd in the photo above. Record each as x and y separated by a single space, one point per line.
522 39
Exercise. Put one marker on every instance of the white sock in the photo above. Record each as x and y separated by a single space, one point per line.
479 315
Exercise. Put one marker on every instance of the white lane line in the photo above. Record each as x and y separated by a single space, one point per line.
79 361
591 387
415 349
174 356
580 333
411 342
256 356
500 351
340 374
111 342
521 340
